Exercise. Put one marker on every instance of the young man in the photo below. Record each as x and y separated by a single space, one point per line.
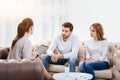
67 46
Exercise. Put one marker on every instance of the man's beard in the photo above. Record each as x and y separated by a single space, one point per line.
65 37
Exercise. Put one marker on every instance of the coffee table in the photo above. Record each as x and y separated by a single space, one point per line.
72 76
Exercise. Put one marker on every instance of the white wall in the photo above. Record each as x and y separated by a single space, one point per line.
83 13
48 16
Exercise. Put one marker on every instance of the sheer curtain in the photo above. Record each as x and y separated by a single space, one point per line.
47 15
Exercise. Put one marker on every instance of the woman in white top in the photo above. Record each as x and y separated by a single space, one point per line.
96 50
21 46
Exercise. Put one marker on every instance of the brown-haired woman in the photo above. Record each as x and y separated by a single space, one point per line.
21 46
96 50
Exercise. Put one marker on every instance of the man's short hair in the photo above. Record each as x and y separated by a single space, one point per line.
68 25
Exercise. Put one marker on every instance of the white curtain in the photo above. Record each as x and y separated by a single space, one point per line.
47 15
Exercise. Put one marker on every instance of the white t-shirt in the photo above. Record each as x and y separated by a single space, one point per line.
68 48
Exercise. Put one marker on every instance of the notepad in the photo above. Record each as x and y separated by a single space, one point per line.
41 49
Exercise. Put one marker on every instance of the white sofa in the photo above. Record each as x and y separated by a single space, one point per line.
109 74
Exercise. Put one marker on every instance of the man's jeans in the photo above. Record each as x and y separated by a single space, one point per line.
46 59
89 67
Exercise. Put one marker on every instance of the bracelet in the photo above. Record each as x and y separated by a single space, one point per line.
37 56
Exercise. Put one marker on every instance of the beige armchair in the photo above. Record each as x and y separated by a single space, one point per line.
23 69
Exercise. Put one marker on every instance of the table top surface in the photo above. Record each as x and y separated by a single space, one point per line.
72 76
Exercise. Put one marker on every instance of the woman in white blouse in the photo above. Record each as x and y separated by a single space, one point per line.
96 50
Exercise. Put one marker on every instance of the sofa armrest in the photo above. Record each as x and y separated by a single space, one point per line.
25 69
116 65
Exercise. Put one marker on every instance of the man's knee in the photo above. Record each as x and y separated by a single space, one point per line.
72 60
46 57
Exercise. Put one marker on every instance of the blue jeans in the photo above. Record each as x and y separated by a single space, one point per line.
89 67
72 61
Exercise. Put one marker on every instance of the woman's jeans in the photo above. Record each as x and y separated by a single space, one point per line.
89 67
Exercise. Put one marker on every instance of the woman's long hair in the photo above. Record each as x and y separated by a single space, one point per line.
99 31
23 27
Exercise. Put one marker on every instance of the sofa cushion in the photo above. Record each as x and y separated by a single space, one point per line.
98 73
59 68
82 52
106 74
